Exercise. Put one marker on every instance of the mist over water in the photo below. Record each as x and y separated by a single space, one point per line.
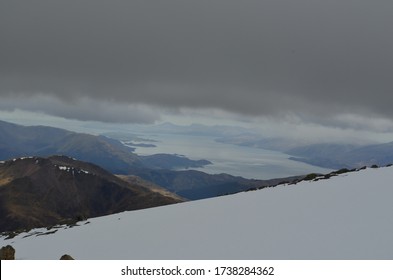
248 162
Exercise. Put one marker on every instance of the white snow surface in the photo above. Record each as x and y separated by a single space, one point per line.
345 217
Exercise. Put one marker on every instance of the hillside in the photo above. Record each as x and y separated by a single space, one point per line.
36 192
344 156
132 179
327 155
112 155
22 141
193 184
18 140
348 216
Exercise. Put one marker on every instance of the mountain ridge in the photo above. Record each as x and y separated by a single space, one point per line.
111 154
117 158
330 155
38 191
344 155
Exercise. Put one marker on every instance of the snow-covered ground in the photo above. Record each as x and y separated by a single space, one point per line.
346 217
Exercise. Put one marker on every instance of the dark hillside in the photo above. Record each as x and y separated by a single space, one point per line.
41 192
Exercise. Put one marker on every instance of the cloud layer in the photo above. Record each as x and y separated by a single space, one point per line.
315 59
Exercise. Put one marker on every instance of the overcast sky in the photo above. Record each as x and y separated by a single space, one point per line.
324 62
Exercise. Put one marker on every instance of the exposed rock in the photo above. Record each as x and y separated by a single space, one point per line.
7 253
66 257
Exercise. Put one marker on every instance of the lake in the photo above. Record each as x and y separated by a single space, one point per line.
248 162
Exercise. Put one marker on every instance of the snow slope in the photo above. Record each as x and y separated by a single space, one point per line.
346 217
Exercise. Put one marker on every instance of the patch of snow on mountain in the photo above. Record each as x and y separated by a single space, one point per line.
345 217
64 168
72 169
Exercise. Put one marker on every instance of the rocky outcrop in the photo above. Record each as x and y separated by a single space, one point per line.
7 253
66 257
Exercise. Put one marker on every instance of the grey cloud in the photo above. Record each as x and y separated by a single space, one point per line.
84 109
313 58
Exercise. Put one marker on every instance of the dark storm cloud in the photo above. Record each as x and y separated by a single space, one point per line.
84 109
313 58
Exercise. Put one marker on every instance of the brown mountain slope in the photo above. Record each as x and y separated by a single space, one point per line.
132 179
40 192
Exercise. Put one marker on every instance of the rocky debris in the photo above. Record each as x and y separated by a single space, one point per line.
66 257
7 253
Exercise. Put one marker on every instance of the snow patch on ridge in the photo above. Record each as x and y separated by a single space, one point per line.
72 169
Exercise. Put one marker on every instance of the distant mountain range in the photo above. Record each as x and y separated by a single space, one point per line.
19 141
42 192
337 156
327 155
160 169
